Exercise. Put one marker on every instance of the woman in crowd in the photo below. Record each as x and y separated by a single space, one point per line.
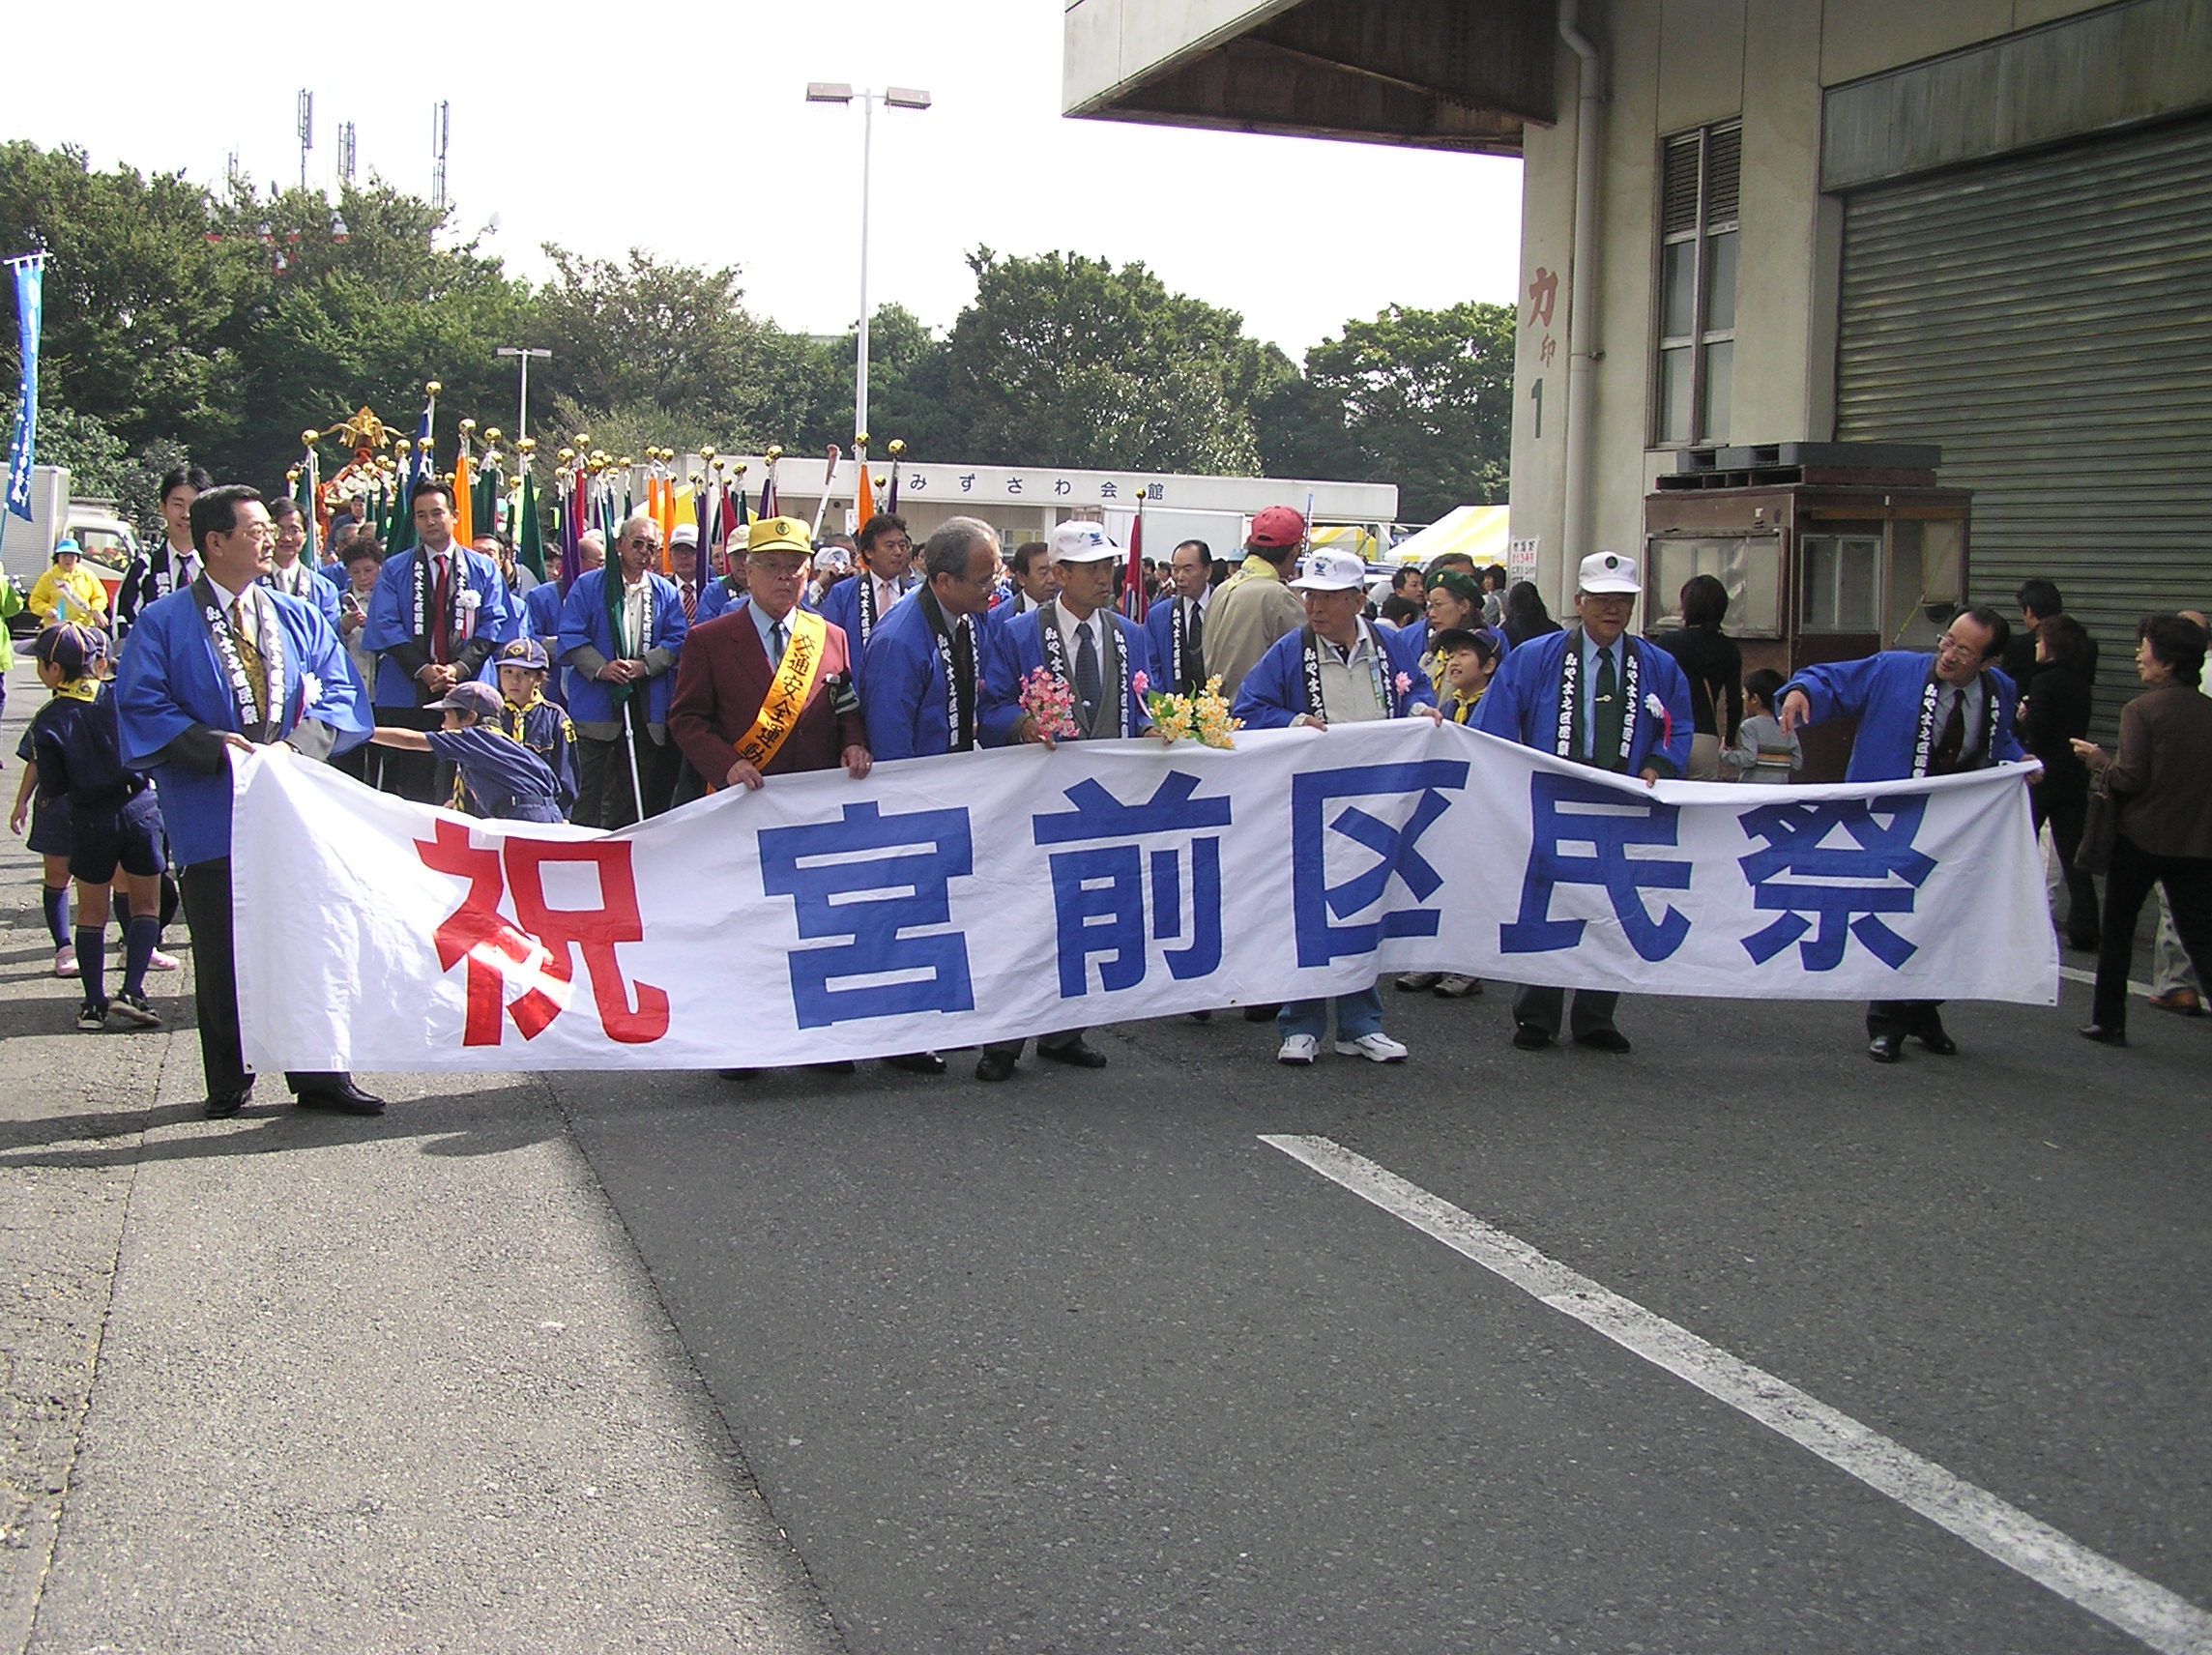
2161 783
1526 616
2054 715
1714 666
1454 605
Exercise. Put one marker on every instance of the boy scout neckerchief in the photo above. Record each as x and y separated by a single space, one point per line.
796 676
78 689
1385 693
959 686
257 722
1056 658
1564 739
1924 737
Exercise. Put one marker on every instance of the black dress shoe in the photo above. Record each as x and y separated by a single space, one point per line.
228 1104
1531 1038
995 1066
1937 1041
1603 1040
1201 1017
2103 1036
917 1062
1887 1048
342 1097
1075 1053
835 1067
2085 945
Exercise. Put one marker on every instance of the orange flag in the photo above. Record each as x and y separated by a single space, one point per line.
464 509
864 502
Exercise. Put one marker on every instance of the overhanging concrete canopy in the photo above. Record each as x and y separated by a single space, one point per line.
1454 74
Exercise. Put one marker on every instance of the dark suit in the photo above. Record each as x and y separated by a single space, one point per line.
721 679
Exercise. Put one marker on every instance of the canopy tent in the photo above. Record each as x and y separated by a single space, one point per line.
1478 531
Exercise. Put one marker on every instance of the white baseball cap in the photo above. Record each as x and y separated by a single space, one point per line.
1331 571
685 534
1081 542
1605 573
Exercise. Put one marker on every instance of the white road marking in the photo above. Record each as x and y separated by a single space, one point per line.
2142 1609
2075 974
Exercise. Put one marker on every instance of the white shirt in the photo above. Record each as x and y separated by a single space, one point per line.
1348 682
634 642
293 581
1072 629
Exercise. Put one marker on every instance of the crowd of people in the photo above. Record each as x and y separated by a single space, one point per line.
641 678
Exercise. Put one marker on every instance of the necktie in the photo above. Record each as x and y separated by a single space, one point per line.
249 656
1605 715
441 614
1085 673
1953 740
1194 649
964 669
775 642
690 603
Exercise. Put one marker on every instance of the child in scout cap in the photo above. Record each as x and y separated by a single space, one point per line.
111 822
500 776
529 718
1470 658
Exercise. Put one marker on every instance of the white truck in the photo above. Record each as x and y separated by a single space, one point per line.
103 533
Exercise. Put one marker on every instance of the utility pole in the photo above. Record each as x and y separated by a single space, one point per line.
345 153
306 132
441 128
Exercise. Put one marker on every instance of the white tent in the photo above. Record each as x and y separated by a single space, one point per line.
1481 532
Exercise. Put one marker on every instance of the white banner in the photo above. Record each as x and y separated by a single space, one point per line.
946 902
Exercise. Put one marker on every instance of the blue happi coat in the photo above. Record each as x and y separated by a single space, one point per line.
497 620
1273 692
840 606
170 684
905 703
1883 692
1017 650
584 622
1523 701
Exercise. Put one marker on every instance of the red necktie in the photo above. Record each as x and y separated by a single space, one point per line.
690 603
440 642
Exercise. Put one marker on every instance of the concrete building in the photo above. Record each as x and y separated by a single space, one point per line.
1985 224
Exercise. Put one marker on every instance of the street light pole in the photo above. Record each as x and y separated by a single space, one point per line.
897 96
522 412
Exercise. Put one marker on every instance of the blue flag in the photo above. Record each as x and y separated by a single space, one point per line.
29 289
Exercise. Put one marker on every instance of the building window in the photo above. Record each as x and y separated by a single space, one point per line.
1697 285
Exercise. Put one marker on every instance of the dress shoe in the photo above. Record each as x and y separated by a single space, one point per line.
1531 1038
917 1062
2181 1002
1076 1052
228 1104
2103 1036
342 1097
1937 1041
1201 1017
1887 1048
995 1066
1603 1040
835 1067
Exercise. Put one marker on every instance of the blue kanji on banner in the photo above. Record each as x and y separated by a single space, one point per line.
1878 869
1322 909
1609 821
872 879
1099 892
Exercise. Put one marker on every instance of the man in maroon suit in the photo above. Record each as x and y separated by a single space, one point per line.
766 689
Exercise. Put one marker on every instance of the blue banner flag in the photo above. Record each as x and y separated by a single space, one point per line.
30 288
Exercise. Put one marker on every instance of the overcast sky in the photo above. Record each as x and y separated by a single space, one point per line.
694 141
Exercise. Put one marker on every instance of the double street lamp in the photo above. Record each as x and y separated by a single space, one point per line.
522 413
896 97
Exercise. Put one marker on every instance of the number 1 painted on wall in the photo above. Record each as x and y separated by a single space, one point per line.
1536 396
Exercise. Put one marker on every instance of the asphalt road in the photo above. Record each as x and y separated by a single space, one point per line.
1077 1363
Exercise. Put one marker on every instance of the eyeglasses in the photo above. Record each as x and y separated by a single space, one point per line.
1950 649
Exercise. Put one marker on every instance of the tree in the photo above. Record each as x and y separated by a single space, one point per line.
1067 360
1426 400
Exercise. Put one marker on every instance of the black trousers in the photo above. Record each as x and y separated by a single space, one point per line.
1545 1007
206 887
2067 817
2128 882
603 795
1902 1017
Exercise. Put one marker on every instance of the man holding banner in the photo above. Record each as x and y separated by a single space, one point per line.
1592 695
766 690
1917 717
227 663
1336 669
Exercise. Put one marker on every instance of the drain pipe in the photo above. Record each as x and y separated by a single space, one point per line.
1582 348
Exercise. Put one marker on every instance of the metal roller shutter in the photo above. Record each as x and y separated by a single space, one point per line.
2048 319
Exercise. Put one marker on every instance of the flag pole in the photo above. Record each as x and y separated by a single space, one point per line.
828 481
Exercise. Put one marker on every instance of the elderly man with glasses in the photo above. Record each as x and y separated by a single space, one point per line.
621 628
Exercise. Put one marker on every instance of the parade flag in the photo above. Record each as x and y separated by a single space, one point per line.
1135 599
529 539
304 496
865 499
464 499
707 509
30 304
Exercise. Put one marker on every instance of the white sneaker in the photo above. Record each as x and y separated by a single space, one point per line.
1376 1048
160 962
65 960
1299 1049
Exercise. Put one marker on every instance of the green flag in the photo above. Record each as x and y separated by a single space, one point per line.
529 542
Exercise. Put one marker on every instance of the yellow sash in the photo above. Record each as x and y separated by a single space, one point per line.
796 676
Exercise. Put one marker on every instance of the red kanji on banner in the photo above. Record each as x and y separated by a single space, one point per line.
536 946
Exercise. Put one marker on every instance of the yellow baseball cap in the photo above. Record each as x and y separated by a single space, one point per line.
778 535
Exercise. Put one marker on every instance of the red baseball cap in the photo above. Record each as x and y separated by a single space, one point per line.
1276 527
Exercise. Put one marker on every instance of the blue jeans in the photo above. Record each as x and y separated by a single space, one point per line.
1356 1014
